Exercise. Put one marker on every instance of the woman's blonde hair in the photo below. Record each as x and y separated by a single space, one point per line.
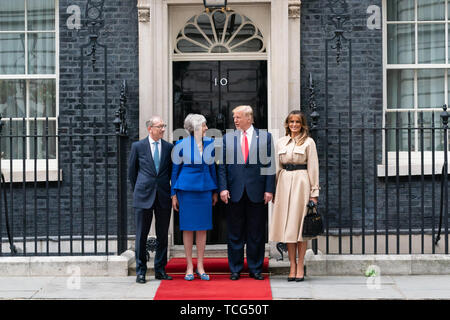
304 131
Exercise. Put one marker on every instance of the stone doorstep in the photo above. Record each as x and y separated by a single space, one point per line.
177 251
353 265
95 266
317 265
212 251
342 265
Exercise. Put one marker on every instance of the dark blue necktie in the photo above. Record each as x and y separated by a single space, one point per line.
156 156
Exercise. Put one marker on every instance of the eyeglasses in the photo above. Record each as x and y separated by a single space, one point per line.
162 126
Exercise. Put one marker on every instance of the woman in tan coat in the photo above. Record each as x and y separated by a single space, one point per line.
297 184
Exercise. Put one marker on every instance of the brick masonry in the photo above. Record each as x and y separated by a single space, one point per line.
38 206
366 75
120 36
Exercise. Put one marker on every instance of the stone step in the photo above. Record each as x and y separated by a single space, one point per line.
66 266
365 265
317 265
177 251
354 265
212 251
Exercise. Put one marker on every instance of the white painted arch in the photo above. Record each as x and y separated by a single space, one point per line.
159 22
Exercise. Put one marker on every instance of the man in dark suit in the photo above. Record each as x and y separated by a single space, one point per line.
246 183
149 170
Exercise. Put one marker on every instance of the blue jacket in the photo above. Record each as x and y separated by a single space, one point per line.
257 175
190 170
145 181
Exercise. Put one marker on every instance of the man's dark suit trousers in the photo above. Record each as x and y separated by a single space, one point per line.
246 222
143 223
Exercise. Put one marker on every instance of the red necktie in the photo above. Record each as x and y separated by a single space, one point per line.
244 147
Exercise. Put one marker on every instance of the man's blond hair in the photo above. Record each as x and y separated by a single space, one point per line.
247 110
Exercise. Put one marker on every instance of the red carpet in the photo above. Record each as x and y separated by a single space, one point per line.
212 265
220 287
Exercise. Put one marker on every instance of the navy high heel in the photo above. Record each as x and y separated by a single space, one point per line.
189 277
202 276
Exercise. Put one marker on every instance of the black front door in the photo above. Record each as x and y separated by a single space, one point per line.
214 89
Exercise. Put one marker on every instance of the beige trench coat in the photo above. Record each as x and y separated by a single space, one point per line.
293 189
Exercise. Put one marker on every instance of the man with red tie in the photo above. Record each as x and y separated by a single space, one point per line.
246 183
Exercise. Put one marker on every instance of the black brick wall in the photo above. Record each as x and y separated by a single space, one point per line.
367 100
120 36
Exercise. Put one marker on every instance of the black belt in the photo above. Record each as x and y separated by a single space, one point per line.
292 167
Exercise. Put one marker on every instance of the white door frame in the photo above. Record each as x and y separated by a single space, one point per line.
155 61
283 59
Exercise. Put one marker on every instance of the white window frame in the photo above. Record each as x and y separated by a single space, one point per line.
220 41
45 169
416 156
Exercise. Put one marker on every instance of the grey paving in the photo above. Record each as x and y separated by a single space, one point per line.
424 287
417 287
335 288
90 288
362 288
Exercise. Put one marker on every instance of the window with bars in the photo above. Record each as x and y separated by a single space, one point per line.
417 72
28 78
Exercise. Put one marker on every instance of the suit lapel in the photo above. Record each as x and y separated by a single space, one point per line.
195 152
240 157
197 157
253 146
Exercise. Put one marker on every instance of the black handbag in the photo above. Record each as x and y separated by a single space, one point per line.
313 222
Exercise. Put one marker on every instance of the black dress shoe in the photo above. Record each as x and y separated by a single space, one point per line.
256 276
290 279
162 276
140 278
235 276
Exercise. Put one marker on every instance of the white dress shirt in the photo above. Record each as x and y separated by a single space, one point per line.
152 146
249 132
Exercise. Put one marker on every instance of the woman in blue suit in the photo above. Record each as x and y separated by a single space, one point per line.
194 189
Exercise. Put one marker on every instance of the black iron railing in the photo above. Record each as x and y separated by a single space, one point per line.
377 181
72 202
383 180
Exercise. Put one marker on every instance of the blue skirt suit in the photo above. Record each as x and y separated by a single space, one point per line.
193 182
